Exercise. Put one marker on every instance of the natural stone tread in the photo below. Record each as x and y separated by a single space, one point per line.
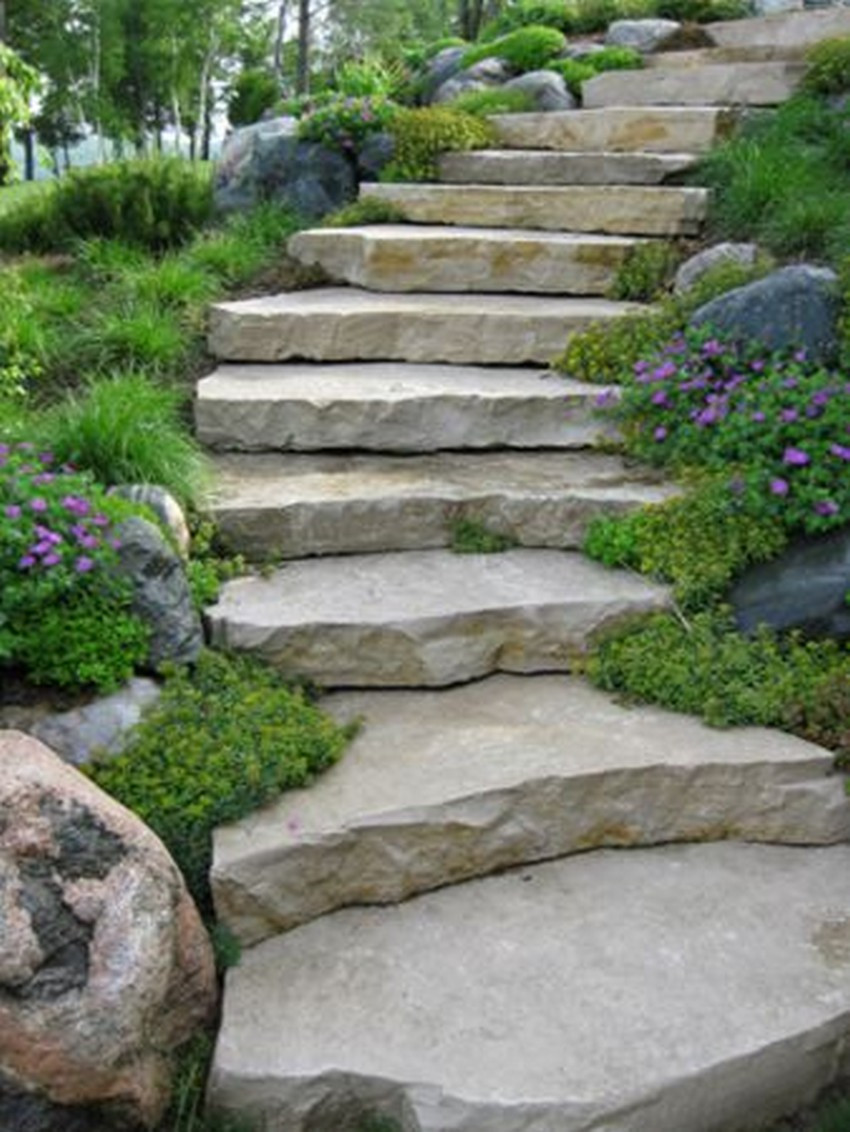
702 56
345 324
548 167
394 407
427 618
747 84
782 31
624 129
293 506
397 257
442 786
676 989
636 210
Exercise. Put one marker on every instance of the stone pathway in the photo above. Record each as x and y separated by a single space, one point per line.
671 988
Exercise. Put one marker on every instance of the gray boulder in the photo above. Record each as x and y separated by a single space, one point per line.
375 153
796 307
693 269
443 66
805 588
164 506
645 36
161 596
547 88
581 49
484 75
235 181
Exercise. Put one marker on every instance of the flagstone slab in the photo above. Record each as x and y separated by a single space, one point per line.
794 31
439 787
269 506
427 618
724 84
548 167
696 988
395 407
625 129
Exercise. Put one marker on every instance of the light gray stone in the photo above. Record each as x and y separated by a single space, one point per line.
338 324
406 257
694 268
269 507
721 84
784 30
622 129
645 36
617 210
770 7
513 167
582 48
677 989
164 506
501 773
395 407
427 618
444 66
483 75
547 88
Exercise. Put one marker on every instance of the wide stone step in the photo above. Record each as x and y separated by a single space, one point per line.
727 84
344 324
547 167
635 210
439 787
393 407
698 988
782 31
398 257
427 618
702 56
270 506
623 129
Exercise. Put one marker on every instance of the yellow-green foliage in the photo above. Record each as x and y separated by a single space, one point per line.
828 66
421 135
646 271
526 49
498 100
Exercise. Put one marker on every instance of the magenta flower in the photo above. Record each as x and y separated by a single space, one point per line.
779 487
38 504
51 560
660 434
83 565
796 457
788 415
26 562
826 507
13 511
840 450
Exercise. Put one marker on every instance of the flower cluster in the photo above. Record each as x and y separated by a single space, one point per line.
346 122
782 422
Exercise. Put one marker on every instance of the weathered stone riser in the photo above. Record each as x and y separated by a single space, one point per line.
618 129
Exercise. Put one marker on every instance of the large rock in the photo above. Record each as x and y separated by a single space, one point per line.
105 968
694 268
484 75
236 182
547 88
161 595
645 36
164 506
794 308
444 66
805 588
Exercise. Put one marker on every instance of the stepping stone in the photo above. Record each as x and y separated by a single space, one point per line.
626 129
439 787
542 167
729 84
393 407
344 324
679 989
427 618
794 31
397 257
634 210
270 506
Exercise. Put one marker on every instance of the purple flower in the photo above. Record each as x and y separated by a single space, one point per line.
46 457
758 416
605 398
790 383
13 511
659 397
51 560
88 542
83 565
38 504
757 366
664 371
660 434
712 348
796 457
821 397
99 520
779 487
826 507
76 505
43 477
800 356
788 415
840 450
26 562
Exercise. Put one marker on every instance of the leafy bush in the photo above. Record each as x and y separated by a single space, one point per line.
254 92
499 100
370 78
828 67
558 14
421 135
702 11
574 72
221 742
347 122
526 49
646 272
155 203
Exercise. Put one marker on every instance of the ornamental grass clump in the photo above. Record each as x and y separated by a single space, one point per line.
64 604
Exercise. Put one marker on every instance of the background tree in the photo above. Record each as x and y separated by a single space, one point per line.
18 83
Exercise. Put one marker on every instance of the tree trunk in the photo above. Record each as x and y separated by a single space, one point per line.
302 79
280 35
29 154
2 21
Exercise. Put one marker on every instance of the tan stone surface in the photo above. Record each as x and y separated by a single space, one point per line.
636 210
394 407
340 324
723 84
427 618
395 257
624 129
547 167
794 30
290 507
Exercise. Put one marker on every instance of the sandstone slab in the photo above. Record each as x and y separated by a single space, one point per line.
635 210
269 507
720 84
547 167
397 257
645 36
623 129
427 618
792 31
657 990
443 786
394 407
339 324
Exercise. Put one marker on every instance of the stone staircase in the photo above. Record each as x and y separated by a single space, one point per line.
445 931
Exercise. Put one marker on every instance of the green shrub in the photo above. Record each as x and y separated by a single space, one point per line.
702 11
616 59
468 536
558 14
421 135
574 72
132 336
347 122
254 92
499 100
370 78
828 67
526 49
221 742
366 210
646 272
244 244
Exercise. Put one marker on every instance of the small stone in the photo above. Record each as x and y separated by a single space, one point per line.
693 269
547 88
645 36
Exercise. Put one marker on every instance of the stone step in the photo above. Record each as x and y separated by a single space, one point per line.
344 324
622 129
274 506
782 31
626 210
548 167
722 84
393 407
406 257
760 53
689 988
427 618
504 772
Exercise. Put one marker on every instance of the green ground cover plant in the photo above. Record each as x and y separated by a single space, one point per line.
499 100
422 134
586 17
469 536
828 67
647 272
526 49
